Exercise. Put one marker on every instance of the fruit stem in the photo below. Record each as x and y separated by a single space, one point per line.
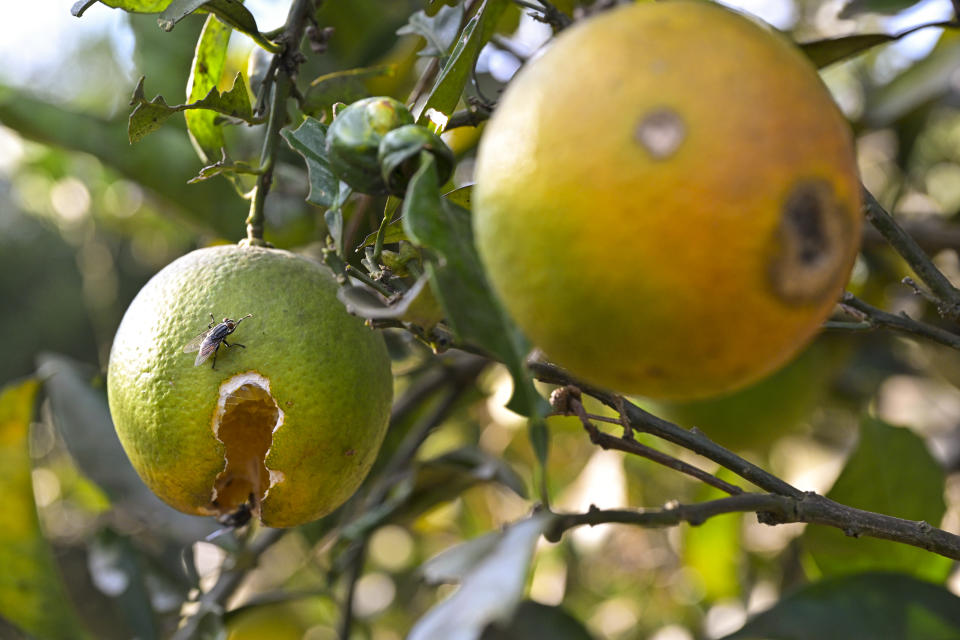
288 61
390 209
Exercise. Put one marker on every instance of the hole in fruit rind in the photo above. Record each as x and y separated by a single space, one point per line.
245 419
812 240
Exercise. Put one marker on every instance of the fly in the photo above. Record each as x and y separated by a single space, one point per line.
234 520
208 342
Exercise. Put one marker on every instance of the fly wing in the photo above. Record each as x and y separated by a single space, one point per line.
194 345
206 350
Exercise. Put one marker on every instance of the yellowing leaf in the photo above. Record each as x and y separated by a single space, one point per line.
32 596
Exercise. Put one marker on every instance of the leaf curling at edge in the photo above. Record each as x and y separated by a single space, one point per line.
439 31
131 6
229 12
149 115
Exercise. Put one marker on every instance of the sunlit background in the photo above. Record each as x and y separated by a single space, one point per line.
84 222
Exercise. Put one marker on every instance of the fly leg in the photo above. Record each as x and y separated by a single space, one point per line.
215 351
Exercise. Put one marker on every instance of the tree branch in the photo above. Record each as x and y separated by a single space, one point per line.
947 296
694 440
872 318
566 401
930 231
548 13
783 504
230 579
773 509
288 61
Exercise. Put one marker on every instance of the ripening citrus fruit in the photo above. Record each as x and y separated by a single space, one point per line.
288 425
667 201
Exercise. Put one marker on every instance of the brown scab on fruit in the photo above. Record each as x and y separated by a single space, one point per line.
661 132
811 240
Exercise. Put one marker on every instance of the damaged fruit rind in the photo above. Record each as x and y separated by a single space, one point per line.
328 375
687 234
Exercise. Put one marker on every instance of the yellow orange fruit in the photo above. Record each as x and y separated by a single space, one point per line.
287 426
667 200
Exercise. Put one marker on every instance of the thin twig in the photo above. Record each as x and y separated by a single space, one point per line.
359 554
286 70
692 439
783 504
548 13
216 598
774 509
505 45
873 318
947 296
566 401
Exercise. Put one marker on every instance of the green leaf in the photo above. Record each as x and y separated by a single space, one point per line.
133 6
825 52
438 30
208 63
149 115
869 606
32 595
856 7
535 620
343 86
462 197
453 78
222 166
890 472
309 140
230 12
177 10
471 308
494 576
393 233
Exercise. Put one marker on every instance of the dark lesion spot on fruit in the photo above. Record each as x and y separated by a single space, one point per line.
811 243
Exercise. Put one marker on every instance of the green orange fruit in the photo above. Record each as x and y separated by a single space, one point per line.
667 200
353 140
286 426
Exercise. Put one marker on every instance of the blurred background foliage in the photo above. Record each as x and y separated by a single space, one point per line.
86 218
